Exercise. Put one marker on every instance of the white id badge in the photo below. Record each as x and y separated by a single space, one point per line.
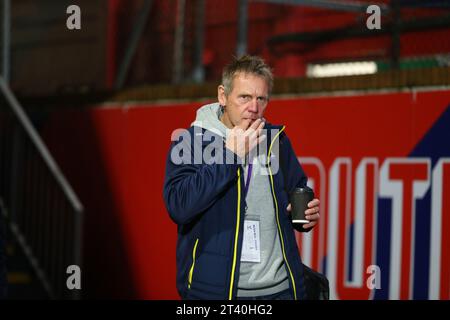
251 250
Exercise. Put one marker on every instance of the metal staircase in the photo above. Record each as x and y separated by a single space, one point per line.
41 214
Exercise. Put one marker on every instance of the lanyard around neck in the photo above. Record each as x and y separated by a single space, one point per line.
247 181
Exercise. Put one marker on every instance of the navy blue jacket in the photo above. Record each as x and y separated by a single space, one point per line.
206 202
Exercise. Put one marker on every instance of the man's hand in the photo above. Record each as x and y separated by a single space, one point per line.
242 138
312 214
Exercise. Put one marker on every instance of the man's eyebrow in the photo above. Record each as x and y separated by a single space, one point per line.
245 94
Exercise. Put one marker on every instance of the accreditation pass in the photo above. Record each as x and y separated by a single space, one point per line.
251 245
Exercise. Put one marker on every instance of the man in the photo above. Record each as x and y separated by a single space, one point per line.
235 238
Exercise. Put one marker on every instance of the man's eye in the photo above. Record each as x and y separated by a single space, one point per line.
262 99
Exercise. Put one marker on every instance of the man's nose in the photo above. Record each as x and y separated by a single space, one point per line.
253 107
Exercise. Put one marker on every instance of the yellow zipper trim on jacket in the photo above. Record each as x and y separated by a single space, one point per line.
276 212
236 234
191 271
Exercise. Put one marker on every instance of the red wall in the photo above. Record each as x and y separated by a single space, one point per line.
115 155
115 158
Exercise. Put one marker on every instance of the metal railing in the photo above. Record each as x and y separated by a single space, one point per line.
39 206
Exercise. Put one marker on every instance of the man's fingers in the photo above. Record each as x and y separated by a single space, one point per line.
244 124
259 130
255 132
313 203
309 225
261 138
252 128
238 130
312 210
313 217
256 124
246 136
261 126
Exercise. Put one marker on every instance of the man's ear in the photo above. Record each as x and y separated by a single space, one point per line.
221 95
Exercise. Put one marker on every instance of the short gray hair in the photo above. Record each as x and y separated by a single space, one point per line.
246 64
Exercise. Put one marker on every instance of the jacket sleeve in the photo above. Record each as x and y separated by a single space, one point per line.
189 188
294 175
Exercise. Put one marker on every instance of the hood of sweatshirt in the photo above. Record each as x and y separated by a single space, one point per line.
208 117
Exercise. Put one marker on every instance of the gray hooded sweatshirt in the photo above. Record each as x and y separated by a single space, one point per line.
268 276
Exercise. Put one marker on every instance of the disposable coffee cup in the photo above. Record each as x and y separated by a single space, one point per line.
299 198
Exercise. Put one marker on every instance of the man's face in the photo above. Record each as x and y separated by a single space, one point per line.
246 102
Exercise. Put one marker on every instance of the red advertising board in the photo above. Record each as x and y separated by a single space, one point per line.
379 162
